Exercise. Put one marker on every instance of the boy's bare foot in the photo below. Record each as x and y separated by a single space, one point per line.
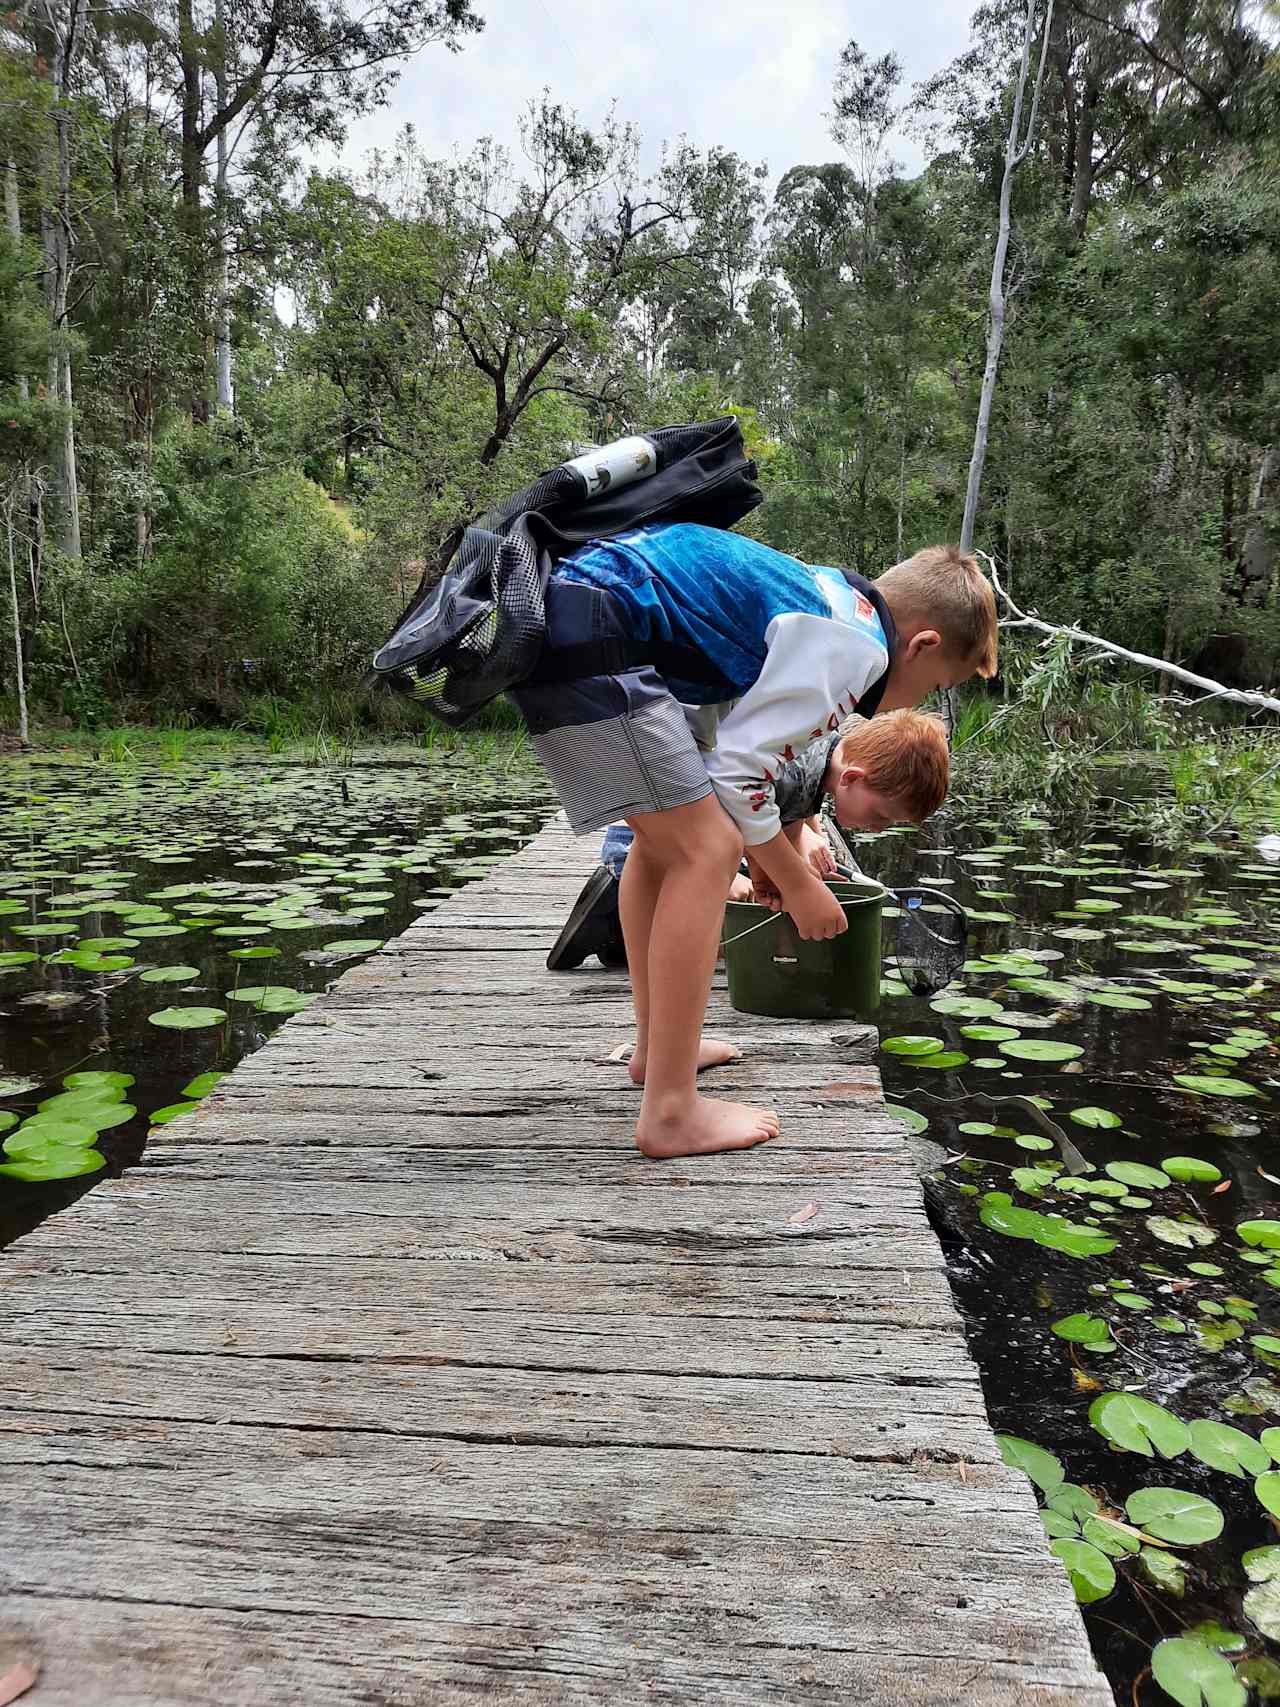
712 1052
700 1127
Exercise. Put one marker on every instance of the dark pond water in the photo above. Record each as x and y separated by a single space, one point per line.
1150 966
187 887
230 894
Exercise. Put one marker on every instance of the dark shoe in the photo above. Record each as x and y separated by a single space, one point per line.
593 926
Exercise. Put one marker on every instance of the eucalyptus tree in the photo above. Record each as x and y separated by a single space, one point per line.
1017 146
692 310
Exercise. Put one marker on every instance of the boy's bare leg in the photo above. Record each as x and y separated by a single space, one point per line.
637 899
671 904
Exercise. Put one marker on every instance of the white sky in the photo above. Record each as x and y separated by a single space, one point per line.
751 75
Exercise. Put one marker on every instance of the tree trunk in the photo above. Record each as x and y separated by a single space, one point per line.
902 484
192 212
59 235
1015 153
1082 166
1258 554
226 396
13 222
35 519
20 678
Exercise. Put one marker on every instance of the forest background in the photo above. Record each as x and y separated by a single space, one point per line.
212 507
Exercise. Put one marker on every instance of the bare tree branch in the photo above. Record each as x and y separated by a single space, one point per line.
1241 696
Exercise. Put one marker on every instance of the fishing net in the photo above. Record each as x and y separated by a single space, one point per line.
931 941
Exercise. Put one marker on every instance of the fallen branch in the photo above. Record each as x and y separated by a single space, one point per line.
1215 690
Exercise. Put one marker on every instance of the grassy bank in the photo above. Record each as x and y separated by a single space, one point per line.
328 729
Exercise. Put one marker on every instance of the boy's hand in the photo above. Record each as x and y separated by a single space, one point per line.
763 888
816 913
812 847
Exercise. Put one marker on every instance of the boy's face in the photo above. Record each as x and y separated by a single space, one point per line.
922 665
861 807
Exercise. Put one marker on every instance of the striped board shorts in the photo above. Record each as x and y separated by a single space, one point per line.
614 746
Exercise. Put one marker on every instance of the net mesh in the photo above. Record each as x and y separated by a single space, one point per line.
931 942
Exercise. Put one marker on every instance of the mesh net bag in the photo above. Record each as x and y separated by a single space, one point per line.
931 942
504 579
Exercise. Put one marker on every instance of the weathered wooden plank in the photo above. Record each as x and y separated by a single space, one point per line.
407 1396
498 1338
398 1034
621 1166
257 1230
419 1112
593 1087
167 1655
456 1485
68 1273
585 1078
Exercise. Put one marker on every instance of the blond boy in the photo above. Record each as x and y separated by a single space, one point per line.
775 652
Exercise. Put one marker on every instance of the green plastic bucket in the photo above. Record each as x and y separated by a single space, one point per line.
772 971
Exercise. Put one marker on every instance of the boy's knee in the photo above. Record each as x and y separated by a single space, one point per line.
722 844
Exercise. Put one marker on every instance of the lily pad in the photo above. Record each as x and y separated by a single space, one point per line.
1101 1119
1222 1447
1040 1049
1191 1170
59 1161
50 1129
187 1019
1214 1085
272 998
1044 1469
1092 1574
998 1213
202 1084
94 1079
1194 1675
1138 1174
1082 1329
908 1118
169 974
171 1111
1172 1514
1185 1234
1136 1424
1267 1488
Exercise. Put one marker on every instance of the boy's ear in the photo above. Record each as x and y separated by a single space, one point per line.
923 640
852 774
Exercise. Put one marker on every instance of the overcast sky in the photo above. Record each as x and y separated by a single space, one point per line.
751 75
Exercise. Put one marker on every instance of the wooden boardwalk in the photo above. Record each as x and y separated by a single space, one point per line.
396 1376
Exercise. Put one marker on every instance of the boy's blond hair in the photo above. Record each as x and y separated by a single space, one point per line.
942 587
904 755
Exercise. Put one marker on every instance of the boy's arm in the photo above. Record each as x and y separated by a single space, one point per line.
805 896
808 839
